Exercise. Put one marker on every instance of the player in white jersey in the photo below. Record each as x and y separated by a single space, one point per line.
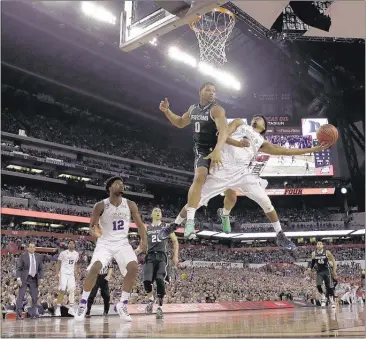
67 271
110 223
235 176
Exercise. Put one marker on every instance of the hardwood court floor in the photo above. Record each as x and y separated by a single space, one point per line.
301 322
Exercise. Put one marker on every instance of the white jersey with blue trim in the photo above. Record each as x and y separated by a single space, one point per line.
243 156
115 221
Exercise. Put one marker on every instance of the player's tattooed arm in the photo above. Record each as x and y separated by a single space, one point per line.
176 120
219 116
94 228
334 263
140 225
175 249
272 149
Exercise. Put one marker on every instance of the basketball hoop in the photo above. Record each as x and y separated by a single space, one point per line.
212 30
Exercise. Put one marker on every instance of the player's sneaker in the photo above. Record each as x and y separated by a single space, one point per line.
167 230
323 300
149 307
159 313
58 311
283 241
121 309
80 312
189 230
71 310
225 221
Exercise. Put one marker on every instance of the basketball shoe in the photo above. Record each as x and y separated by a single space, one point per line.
285 242
189 230
159 313
121 309
149 307
80 312
225 221
167 230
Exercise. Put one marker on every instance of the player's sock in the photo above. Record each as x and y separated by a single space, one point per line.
124 297
225 211
85 295
191 213
277 227
179 220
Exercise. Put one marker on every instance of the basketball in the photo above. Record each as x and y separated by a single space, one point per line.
327 133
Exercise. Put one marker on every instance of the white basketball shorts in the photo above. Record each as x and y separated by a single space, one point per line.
236 178
122 252
67 282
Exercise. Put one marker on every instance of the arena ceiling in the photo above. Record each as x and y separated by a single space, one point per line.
56 42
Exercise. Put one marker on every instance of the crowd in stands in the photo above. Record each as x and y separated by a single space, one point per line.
189 285
243 219
270 254
291 141
86 131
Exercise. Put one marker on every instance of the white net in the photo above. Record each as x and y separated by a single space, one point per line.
212 31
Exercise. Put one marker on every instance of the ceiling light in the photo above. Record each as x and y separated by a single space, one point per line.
176 54
97 12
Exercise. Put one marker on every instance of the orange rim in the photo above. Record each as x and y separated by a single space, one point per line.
218 9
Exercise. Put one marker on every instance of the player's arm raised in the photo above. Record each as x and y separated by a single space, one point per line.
176 120
175 249
140 225
94 228
272 149
334 263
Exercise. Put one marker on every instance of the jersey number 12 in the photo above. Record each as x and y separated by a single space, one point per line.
118 225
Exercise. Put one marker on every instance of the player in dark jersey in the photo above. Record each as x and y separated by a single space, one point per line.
326 270
209 129
156 262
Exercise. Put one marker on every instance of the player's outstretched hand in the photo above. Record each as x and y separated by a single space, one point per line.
321 147
97 231
164 105
215 157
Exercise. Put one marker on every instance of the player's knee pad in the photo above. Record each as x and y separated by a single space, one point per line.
160 287
319 287
147 286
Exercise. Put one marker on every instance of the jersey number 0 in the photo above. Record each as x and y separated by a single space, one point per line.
197 127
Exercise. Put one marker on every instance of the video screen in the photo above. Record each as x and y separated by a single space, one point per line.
315 164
